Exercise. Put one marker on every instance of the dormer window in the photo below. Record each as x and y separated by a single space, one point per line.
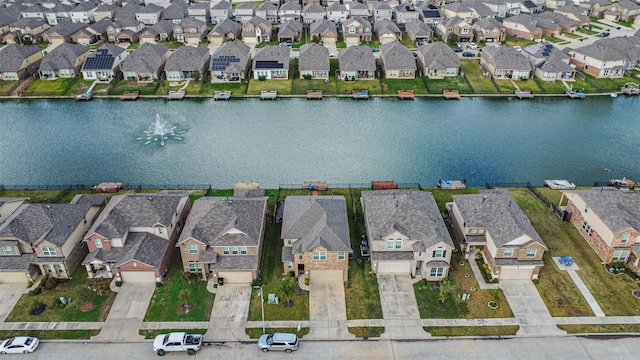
49 251
98 243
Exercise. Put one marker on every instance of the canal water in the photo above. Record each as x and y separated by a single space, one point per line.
288 141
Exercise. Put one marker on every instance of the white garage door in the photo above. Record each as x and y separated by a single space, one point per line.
515 273
236 277
17 277
138 276
394 267
325 275
353 41
329 41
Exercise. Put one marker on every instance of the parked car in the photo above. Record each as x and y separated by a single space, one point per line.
375 50
457 49
469 54
518 48
177 341
19 344
286 342
604 34
473 46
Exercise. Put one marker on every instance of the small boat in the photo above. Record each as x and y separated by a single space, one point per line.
613 95
85 96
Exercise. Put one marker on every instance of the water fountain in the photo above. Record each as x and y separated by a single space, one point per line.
160 131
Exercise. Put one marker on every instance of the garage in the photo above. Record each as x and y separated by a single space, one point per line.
352 41
516 273
394 267
138 276
325 275
236 277
329 42
13 277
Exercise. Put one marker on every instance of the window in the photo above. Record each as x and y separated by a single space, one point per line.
508 253
390 244
625 239
59 269
340 255
436 272
47 269
225 250
474 230
48 251
193 249
195 267
10 250
620 256
531 253
586 209
399 244
160 230
243 250
98 243
439 253
234 250
288 242
587 228
289 265
319 255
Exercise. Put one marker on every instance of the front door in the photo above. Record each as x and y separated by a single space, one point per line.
418 267
300 269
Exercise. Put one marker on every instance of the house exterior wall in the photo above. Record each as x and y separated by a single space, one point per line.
331 263
596 67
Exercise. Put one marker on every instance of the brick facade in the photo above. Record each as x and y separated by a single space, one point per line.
331 263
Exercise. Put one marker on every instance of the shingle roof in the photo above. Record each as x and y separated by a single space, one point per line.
150 9
611 49
223 4
412 213
356 19
488 23
188 58
225 27
313 57
316 221
384 26
235 48
12 56
290 5
313 8
257 21
323 27
66 29
506 57
396 56
439 56
279 54
290 28
127 11
266 6
618 210
140 246
63 57
554 64
177 10
161 27
498 212
418 28
146 58
356 58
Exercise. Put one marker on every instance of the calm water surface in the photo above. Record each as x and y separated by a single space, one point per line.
289 141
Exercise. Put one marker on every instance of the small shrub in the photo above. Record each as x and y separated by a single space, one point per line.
51 283
37 309
262 78
536 281
118 283
306 77
256 282
187 275
159 284
29 283
36 291
306 281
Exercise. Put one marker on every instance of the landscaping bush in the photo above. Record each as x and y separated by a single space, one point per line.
262 78
256 282
306 77
159 284
51 283
118 283
36 291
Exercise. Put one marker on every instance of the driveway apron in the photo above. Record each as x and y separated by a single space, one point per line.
327 310
399 308
229 313
9 296
528 308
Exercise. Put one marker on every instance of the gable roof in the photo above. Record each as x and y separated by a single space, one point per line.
506 57
396 56
313 57
384 25
161 27
268 55
356 58
438 55
266 6
225 27
66 29
12 56
290 28
612 49
618 210
146 58
229 50
188 58
412 213
103 58
357 20
221 5
418 28
63 57
290 5
323 27
316 221
313 8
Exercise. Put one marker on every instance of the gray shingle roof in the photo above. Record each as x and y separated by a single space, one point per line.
63 57
314 8
356 58
555 64
439 56
266 6
336 6
161 27
313 57
618 210
506 57
188 58
316 221
12 56
290 28
488 23
396 56
243 262
498 212
233 48
66 29
257 21
146 58
177 10
150 9
323 27
22 262
140 246
412 213
418 28
225 27
246 5
273 53
127 11
358 20
612 49
384 26
290 5
223 4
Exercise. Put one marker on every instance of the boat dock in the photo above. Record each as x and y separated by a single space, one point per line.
560 184
176 95
630 88
314 94
222 95
452 184
576 94
360 94
86 96
406 95
451 94
130 95
523 94
315 185
268 95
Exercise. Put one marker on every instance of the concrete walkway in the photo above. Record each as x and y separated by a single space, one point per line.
528 308
399 308
571 270
229 313
327 310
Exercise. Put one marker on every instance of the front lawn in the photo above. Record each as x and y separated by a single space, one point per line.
603 328
479 83
552 39
87 300
587 31
58 87
167 303
173 45
437 86
504 330
51 334
131 85
513 41
365 332
391 86
571 35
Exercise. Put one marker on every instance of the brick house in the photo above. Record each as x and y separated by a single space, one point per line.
17 62
315 234
512 248
609 222
607 58
223 238
457 26
406 234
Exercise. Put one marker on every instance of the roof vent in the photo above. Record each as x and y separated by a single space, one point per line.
149 198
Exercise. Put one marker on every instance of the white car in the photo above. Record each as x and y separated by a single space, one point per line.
19 344
518 48
473 46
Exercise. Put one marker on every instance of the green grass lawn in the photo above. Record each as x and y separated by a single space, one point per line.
79 289
300 86
347 87
281 86
130 85
173 45
57 87
237 89
406 41
571 36
436 86
513 41
391 86
608 84
6 87
472 330
549 87
51 334
604 328
255 333
79 87
587 31
531 85
102 88
35 196
151 334
473 74
582 85
365 332
192 89
552 39
166 305
628 24
505 86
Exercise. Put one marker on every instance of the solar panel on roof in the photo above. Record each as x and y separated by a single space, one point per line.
221 62
269 64
100 60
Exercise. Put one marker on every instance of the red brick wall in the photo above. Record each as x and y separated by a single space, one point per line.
91 245
595 241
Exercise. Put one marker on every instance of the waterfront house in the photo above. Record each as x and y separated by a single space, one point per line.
222 238
83 12
505 62
325 31
58 14
45 239
92 33
381 10
418 31
64 61
357 63
290 32
190 31
256 30
290 11
397 61
607 58
525 26
313 12
337 12
17 62
160 31
28 29
268 11
271 62
146 63
225 31
8 205
609 221
200 11
230 62
175 12
104 63
437 60
244 11
313 61
387 31
549 62
62 33
315 234
511 247
132 240
456 26
356 30
149 14
187 62
221 11
489 30
403 13
406 234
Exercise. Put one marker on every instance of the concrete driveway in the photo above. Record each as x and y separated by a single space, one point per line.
399 308
229 313
9 296
327 310
528 308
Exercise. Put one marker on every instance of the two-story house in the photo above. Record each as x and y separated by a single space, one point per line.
17 62
256 30
268 11
244 12
149 14
83 13
607 58
456 26
190 31
221 11
290 11
356 30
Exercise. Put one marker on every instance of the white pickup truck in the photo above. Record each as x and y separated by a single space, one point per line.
177 341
